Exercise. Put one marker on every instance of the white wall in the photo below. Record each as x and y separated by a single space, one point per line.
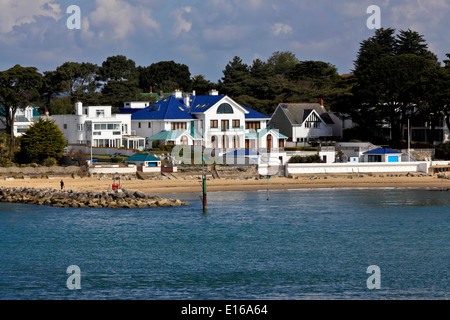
316 168
113 169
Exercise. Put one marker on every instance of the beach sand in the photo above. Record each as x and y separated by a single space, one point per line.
275 183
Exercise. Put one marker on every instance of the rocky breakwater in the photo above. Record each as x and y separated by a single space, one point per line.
86 199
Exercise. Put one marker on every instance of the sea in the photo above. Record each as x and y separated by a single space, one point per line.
309 244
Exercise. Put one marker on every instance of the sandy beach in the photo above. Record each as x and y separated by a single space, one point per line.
213 185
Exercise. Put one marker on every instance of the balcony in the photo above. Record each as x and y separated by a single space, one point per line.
225 129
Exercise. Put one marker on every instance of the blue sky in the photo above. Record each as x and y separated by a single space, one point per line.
207 34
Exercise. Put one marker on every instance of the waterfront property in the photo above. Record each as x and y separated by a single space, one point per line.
24 117
96 126
305 123
212 121
382 155
145 162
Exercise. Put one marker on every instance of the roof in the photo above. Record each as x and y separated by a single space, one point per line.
200 104
299 112
142 157
382 151
170 108
252 114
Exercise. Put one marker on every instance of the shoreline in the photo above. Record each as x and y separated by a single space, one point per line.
223 185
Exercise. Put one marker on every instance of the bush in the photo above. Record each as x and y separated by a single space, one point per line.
308 159
50 162
443 151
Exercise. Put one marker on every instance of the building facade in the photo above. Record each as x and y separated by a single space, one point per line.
96 126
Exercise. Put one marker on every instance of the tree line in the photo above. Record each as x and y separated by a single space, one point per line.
396 79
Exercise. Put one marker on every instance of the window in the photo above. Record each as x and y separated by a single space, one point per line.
376 158
178 126
100 113
236 123
225 124
256 125
139 125
214 123
149 124
80 127
65 126
224 108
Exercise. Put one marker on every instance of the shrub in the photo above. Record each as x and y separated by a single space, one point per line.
308 159
50 162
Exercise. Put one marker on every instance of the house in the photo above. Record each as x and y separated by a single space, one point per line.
353 151
24 118
382 155
212 121
98 127
303 123
145 162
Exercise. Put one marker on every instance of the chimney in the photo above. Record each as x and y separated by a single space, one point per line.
213 92
151 89
186 99
321 101
177 94
193 93
79 108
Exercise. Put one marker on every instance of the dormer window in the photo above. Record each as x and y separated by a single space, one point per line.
224 108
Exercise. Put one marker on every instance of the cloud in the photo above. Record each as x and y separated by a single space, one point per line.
117 19
17 13
281 28
180 24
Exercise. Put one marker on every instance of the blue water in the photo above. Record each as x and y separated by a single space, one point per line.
302 244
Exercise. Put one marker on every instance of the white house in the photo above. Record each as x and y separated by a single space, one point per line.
212 121
24 118
304 123
383 155
98 127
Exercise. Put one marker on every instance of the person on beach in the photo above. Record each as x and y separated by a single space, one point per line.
62 184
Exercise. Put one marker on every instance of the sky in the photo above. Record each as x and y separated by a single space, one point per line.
206 34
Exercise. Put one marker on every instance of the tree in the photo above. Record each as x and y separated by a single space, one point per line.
165 76
41 141
282 62
117 68
235 78
19 86
389 72
201 85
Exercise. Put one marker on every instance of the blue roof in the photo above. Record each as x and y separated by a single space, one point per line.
382 151
142 157
170 108
252 114
245 152
200 104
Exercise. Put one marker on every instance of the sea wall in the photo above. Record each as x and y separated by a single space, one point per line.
85 199
317 168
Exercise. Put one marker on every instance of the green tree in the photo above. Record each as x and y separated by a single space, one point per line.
19 86
236 77
201 85
165 76
117 68
41 141
282 62
390 70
